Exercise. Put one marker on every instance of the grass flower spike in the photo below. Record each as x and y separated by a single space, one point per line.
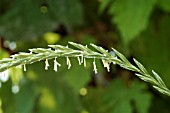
82 53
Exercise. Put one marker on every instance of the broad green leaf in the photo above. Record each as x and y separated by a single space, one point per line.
26 98
78 76
93 100
160 105
103 5
7 98
24 20
131 16
57 95
164 4
68 12
141 102
47 101
123 107
119 98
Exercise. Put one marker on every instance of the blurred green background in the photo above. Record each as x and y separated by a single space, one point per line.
137 28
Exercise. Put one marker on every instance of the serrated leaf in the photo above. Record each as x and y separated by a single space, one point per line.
140 66
158 78
131 16
117 98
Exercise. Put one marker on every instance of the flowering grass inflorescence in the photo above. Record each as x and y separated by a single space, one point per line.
82 53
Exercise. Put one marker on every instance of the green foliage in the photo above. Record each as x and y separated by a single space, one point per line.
131 16
135 94
1 106
153 55
25 17
52 94
64 12
75 80
164 4
118 98
139 28
83 52
26 97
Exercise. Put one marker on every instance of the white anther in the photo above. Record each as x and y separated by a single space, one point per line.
56 64
84 62
68 62
46 64
106 64
94 66
79 60
25 68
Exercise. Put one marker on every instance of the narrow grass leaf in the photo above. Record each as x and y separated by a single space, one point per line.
40 50
60 47
162 90
100 49
128 67
121 56
81 47
146 78
140 66
158 78
6 60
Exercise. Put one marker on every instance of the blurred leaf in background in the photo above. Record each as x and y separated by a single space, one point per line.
131 16
118 98
139 28
27 21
